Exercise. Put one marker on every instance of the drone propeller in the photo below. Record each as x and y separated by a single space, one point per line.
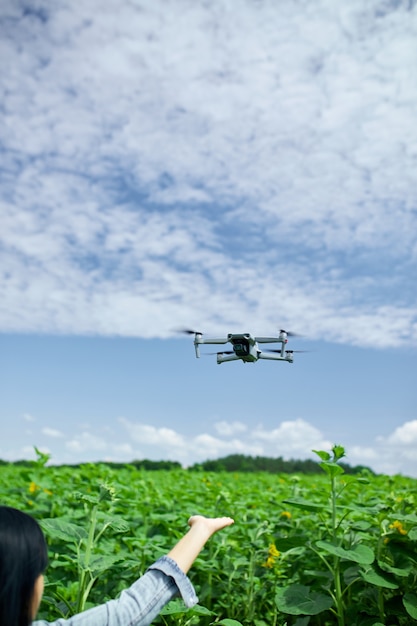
289 333
187 331
287 351
291 351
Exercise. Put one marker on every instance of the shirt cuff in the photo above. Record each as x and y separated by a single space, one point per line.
169 567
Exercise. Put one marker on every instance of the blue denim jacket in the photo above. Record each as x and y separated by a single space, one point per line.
141 603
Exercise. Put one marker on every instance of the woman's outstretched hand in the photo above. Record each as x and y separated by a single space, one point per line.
201 529
212 524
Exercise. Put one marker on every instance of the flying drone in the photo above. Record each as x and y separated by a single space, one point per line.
246 347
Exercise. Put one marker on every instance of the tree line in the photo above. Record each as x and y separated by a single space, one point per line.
230 463
276 465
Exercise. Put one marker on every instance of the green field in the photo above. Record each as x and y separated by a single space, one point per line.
305 550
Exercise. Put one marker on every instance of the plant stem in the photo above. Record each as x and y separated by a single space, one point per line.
251 583
336 560
338 592
84 565
381 607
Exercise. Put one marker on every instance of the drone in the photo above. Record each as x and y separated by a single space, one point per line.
246 347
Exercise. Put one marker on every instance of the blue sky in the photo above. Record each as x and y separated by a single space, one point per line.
183 164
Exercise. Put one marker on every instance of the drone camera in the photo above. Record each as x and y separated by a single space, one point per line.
240 345
240 349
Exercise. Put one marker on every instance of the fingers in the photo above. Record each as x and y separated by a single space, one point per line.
212 523
226 521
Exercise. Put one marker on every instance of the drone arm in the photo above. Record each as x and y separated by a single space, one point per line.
198 340
214 340
222 358
277 357
270 340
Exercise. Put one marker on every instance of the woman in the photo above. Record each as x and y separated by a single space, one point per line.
23 559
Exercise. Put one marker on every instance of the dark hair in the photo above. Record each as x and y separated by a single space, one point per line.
23 558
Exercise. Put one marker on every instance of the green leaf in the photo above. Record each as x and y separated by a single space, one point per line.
359 553
177 607
412 534
378 579
102 562
302 621
325 456
107 493
305 505
228 622
42 457
58 528
84 497
117 524
361 525
397 571
284 544
174 608
331 468
410 604
300 600
338 452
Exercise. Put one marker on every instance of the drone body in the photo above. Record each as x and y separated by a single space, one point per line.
246 347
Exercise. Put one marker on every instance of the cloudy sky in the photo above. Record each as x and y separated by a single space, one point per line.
183 163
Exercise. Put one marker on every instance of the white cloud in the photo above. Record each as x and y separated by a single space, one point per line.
18 453
124 449
226 429
208 162
292 438
52 432
363 454
28 417
405 435
395 453
206 446
147 435
86 442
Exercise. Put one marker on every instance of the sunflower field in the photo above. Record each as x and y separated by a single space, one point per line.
305 550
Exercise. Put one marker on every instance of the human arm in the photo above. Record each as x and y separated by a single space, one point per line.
190 545
141 603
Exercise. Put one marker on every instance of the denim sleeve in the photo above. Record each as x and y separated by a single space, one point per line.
139 604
